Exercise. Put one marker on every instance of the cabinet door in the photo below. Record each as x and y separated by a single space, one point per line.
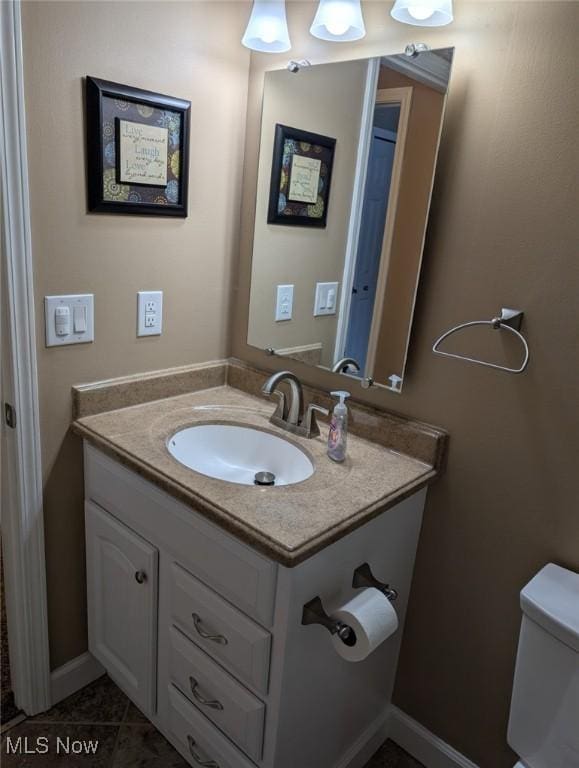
122 580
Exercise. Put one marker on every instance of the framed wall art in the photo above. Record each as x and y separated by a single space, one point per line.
301 175
137 145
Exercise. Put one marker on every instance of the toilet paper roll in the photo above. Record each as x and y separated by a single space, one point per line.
373 619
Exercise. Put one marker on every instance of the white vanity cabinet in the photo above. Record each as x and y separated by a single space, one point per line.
122 589
204 633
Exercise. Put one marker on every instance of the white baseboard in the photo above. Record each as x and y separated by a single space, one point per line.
423 745
73 676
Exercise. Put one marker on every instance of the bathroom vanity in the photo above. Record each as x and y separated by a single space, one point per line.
197 587
212 602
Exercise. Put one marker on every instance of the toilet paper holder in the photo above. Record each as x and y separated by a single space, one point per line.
363 577
314 612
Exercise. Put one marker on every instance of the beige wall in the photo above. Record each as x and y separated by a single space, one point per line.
503 231
328 101
185 49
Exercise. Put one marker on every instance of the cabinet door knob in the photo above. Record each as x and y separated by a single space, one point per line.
213 704
221 639
140 577
197 758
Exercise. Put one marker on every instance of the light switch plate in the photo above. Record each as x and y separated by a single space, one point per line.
149 313
284 302
80 315
326 300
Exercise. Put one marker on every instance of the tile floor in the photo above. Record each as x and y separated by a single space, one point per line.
126 739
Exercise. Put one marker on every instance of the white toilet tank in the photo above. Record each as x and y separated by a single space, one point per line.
544 720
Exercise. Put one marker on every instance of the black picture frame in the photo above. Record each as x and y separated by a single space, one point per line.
288 142
105 193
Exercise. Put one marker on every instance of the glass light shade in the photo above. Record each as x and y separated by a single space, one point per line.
339 20
423 13
267 27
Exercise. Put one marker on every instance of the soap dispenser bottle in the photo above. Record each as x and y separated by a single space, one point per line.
338 428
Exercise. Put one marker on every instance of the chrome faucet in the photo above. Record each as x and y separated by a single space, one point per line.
292 417
294 413
346 362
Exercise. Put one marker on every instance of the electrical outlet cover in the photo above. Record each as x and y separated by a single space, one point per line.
149 313
284 302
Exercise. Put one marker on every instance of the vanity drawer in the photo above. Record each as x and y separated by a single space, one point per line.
236 571
238 713
200 740
221 630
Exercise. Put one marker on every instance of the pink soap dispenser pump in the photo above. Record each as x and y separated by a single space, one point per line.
338 434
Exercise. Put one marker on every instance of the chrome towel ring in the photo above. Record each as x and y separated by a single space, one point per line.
508 320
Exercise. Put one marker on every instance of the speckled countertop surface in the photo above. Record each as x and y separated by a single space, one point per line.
287 523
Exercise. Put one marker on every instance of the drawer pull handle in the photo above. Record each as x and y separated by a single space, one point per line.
214 704
140 577
221 639
199 760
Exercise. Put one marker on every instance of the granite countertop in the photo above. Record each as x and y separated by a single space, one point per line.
287 523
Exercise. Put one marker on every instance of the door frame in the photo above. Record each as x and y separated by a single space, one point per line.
366 124
22 501
372 96
403 97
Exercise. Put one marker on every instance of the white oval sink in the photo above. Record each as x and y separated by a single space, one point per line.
236 454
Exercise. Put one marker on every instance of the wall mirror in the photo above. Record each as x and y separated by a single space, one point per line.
346 167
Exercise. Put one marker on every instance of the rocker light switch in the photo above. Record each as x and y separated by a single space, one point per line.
79 318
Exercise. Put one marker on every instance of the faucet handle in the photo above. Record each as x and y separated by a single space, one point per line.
312 428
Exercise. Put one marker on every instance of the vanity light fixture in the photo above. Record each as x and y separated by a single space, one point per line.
339 21
267 27
423 13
